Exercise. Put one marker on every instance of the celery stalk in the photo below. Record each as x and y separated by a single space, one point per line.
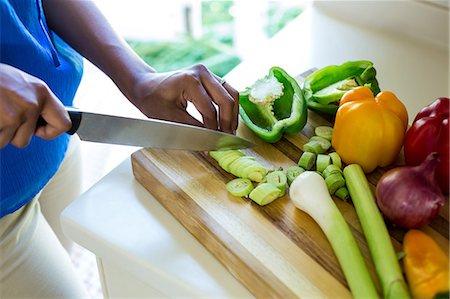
310 194
376 233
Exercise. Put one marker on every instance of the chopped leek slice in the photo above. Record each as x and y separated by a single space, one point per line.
264 194
239 187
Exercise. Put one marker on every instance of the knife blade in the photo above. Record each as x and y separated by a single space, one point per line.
153 133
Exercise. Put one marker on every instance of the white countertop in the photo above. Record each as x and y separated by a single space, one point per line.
119 221
122 222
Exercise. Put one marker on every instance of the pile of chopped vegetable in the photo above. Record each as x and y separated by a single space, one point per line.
318 153
271 184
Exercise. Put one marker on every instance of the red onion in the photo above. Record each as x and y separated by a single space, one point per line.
410 196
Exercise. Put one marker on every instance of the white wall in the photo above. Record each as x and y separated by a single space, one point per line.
145 19
408 41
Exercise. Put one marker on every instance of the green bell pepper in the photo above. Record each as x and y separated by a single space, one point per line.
273 105
324 88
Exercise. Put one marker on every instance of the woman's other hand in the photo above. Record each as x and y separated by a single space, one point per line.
165 96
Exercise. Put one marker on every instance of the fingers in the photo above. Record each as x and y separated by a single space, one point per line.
16 128
196 93
201 100
8 127
224 96
20 127
23 99
57 120
17 123
235 113
23 134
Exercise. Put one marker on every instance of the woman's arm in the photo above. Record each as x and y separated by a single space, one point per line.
158 95
83 26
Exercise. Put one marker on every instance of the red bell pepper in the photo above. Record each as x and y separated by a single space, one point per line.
428 133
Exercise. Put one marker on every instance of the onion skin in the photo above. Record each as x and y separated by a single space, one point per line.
410 196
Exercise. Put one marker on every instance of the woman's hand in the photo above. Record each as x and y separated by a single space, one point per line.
23 98
165 96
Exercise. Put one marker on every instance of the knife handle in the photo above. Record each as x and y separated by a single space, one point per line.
75 118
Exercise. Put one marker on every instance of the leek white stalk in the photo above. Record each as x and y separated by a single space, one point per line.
310 194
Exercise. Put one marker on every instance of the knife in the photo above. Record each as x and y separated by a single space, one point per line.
152 133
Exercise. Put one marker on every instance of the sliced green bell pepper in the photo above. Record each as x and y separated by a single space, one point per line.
324 88
273 105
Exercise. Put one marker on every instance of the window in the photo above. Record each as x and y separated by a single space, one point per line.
219 34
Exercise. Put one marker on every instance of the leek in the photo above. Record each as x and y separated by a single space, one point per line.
310 194
264 194
307 160
376 233
278 179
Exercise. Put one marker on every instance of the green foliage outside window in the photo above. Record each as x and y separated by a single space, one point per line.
168 56
279 16
215 48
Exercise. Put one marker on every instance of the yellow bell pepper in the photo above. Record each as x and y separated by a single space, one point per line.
369 130
426 265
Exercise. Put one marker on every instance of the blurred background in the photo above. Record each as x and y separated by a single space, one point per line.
178 33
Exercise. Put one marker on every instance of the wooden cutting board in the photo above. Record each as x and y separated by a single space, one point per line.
276 251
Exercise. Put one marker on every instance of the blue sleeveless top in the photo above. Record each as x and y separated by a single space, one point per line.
27 44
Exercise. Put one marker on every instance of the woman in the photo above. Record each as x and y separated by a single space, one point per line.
41 50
